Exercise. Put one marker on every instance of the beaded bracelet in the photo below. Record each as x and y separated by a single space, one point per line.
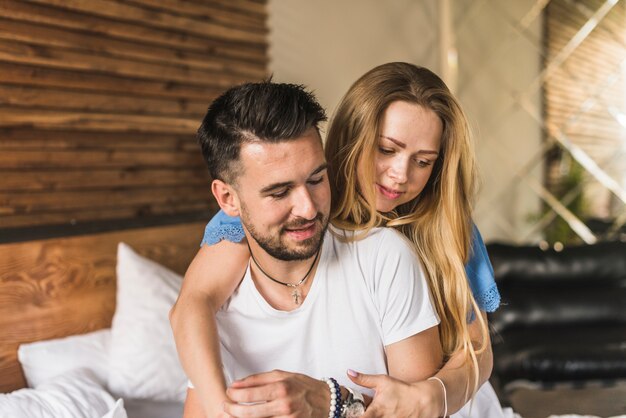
335 398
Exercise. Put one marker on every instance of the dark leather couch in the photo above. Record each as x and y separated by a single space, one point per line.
563 314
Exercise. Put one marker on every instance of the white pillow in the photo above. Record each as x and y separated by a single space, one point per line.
76 394
143 363
118 410
43 360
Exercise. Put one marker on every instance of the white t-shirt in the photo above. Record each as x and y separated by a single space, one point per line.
365 295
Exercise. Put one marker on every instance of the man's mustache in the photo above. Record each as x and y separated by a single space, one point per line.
300 222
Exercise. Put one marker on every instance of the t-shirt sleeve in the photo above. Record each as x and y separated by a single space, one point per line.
222 226
480 275
401 291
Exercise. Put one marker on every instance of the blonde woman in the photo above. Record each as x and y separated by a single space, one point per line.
400 155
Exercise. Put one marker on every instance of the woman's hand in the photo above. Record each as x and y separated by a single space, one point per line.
397 399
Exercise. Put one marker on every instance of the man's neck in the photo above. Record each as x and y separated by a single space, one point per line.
281 296
284 271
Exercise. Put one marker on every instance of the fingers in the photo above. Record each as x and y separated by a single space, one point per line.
366 380
259 379
259 393
371 413
267 400
260 389
257 410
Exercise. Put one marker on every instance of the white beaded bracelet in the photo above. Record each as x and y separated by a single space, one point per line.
335 397
445 396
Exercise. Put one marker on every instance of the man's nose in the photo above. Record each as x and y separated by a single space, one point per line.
303 204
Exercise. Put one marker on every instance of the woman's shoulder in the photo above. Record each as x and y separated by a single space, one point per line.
480 275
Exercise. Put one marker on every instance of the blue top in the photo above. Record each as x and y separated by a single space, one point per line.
478 268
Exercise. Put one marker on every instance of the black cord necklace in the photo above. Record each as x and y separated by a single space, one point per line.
295 293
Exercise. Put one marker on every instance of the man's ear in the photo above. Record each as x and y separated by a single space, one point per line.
226 197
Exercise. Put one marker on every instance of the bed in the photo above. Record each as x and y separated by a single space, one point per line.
83 324
59 320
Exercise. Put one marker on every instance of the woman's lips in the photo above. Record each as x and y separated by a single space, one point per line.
388 193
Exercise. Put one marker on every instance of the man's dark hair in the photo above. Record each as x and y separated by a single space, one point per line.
265 111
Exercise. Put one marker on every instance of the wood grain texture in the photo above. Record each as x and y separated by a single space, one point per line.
51 98
23 139
75 200
100 159
59 119
93 179
244 18
118 28
246 6
24 31
100 101
157 19
59 287
110 214
64 58
77 79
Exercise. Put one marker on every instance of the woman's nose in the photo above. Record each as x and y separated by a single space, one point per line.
398 171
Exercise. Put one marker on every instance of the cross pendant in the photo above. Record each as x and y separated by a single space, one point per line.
296 296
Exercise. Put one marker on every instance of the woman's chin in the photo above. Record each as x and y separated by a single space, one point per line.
385 206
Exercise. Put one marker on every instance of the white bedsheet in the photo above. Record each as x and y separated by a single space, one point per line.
137 408
77 394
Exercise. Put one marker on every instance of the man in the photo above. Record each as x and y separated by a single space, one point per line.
312 302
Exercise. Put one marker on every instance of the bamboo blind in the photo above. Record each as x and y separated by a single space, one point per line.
100 101
583 93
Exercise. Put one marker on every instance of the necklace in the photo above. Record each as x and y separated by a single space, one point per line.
294 286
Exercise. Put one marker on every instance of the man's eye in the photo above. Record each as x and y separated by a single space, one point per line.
280 195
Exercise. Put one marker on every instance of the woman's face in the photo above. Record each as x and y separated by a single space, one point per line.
408 145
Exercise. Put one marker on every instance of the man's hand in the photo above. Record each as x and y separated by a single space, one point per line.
278 394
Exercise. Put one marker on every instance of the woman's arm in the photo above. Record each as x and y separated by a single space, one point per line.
424 398
458 375
211 278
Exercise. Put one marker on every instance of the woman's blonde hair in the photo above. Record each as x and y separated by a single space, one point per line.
438 221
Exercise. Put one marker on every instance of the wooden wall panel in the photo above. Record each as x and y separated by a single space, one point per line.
59 287
100 101
134 31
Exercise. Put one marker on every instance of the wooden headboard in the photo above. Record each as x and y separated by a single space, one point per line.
58 287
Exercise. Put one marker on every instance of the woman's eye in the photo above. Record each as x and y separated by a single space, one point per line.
385 151
422 163
316 181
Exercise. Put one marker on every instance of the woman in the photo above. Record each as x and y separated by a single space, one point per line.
400 155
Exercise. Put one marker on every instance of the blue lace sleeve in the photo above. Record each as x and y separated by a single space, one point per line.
480 275
222 227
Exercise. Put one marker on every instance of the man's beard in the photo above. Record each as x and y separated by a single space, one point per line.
274 246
